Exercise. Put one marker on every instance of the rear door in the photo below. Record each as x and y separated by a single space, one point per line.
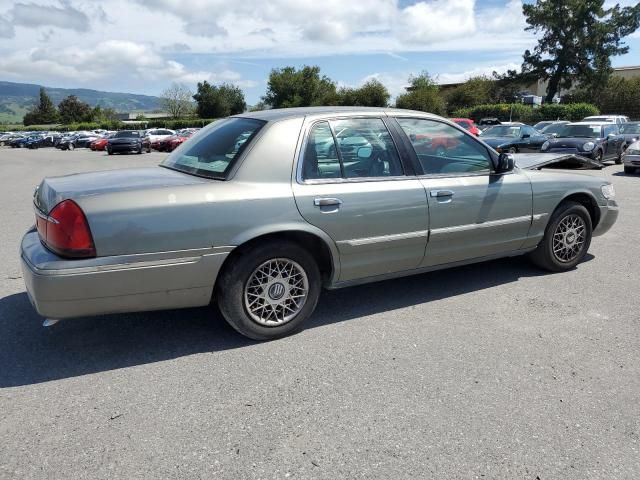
352 184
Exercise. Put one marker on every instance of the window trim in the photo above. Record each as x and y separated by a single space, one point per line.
409 173
420 173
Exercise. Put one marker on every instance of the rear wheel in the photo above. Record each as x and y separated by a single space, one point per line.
629 169
269 291
109 151
566 240
71 146
513 150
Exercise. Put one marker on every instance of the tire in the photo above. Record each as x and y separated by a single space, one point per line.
513 150
239 279
619 159
629 170
598 156
149 149
71 147
567 213
109 151
2 144
139 151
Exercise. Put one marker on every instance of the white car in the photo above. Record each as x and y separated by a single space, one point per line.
607 119
157 134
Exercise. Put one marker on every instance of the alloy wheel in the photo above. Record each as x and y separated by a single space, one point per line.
276 292
569 238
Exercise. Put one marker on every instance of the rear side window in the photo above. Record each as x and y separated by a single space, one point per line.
212 154
350 148
442 149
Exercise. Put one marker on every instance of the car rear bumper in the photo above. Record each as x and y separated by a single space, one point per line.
608 217
59 288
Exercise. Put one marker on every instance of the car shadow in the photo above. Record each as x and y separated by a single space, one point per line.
622 174
31 354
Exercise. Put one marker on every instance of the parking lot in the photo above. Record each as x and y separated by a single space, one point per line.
496 370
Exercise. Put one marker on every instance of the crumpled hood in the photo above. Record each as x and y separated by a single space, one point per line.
536 161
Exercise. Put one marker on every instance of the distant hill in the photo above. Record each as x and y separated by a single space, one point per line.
16 98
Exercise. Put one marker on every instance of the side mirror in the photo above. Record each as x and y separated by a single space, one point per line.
364 152
505 163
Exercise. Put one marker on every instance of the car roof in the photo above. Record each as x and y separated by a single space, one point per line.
300 112
590 123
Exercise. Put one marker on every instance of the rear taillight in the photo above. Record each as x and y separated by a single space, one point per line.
65 231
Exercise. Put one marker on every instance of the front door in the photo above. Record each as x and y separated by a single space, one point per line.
473 212
352 185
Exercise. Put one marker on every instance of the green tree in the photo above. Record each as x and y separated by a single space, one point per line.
73 110
423 93
219 101
99 114
475 91
43 113
371 94
289 87
578 39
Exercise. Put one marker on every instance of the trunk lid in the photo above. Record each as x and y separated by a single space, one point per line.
53 190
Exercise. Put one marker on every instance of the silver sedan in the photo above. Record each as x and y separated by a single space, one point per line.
258 212
631 158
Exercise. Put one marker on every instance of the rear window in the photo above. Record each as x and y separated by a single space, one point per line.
213 151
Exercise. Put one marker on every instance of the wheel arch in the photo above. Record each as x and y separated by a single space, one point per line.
589 202
314 240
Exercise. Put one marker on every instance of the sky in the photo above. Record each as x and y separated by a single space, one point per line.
142 46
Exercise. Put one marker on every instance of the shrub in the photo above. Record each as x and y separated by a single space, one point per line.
528 114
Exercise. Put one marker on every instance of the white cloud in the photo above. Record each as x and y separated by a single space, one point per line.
37 15
486 70
105 60
430 22
6 28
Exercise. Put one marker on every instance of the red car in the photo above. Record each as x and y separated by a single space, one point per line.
99 144
178 139
467 124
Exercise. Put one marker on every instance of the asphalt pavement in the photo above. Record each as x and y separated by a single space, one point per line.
491 371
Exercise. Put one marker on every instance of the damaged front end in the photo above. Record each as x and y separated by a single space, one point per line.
564 161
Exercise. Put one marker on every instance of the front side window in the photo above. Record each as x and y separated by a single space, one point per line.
350 148
213 153
442 149
610 129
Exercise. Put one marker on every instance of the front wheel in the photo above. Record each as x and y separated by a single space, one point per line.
109 151
629 169
598 156
566 239
269 291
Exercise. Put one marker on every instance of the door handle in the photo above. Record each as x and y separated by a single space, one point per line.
327 202
441 193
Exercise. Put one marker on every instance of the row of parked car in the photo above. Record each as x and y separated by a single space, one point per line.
138 141
600 138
